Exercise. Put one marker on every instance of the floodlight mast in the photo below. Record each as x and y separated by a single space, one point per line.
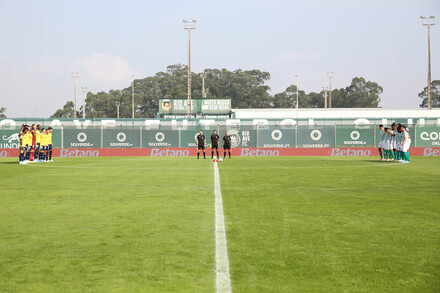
75 76
330 75
189 25
296 106
428 21
84 92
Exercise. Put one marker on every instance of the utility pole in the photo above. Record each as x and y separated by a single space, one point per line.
203 85
330 75
325 89
296 98
117 109
189 25
428 21
84 92
75 76
132 97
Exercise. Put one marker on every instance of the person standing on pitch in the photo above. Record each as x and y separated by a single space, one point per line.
214 143
226 145
201 141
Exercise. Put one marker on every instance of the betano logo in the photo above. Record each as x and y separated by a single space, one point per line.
169 153
78 153
246 152
430 152
337 152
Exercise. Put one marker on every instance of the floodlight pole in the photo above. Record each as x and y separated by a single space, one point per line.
132 97
84 92
75 76
117 109
325 89
203 85
428 24
330 75
189 25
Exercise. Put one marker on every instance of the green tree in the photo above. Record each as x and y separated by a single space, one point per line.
359 94
2 112
435 95
66 112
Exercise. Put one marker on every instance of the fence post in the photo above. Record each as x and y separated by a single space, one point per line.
180 137
62 136
257 136
415 135
296 134
140 135
335 135
374 138
102 136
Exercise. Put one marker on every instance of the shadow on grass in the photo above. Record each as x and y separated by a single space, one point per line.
8 163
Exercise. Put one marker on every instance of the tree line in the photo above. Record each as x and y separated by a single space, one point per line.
245 88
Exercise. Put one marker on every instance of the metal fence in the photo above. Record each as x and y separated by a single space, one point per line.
263 136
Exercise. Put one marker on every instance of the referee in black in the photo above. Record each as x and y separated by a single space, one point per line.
226 145
201 141
214 143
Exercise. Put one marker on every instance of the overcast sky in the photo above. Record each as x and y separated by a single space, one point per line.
41 42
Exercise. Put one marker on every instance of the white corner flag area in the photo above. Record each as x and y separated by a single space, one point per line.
223 280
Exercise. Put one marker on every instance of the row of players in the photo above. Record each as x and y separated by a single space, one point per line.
215 138
35 144
395 143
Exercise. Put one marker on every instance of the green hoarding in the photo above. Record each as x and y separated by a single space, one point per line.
121 138
316 137
156 138
355 136
82 138
427 136
276 136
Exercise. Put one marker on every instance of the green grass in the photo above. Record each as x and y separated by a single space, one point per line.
294 224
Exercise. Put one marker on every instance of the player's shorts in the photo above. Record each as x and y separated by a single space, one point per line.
201 147
44 148
381 144
214 146
227 147
406 146
37 146
49 147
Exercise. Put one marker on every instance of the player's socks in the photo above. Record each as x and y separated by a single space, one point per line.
224 155
218 155
391 155
198 155
407 156
385 154
380 152
50 155
204 155
229 155
28 155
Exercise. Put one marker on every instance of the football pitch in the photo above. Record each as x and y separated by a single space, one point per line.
293 224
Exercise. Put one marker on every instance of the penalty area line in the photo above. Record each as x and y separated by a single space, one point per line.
223 280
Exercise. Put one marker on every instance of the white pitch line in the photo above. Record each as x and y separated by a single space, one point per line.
221 249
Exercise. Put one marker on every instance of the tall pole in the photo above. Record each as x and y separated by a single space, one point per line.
296 98
330 75
203 85
84 92
75 76
325 89
189 25
117 109
428 24
132 98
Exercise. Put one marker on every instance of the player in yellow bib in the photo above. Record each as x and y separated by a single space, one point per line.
50 145
44 145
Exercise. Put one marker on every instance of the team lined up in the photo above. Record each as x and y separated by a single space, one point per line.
395 143
215 138
35 144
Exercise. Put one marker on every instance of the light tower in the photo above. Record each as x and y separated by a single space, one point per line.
189 25
330 75
428 21
84 92
75 76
